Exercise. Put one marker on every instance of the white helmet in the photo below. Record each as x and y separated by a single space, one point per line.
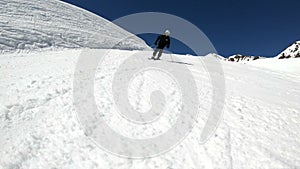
167 32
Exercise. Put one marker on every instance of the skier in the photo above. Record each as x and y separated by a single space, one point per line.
161 42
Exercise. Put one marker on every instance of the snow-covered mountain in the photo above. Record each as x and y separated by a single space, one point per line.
35 24
242 58
292 51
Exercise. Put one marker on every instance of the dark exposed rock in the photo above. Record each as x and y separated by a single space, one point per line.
242 58
293 51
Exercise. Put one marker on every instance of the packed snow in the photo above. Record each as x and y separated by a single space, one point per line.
39 128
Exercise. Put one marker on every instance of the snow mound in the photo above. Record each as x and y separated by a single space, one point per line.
292 51
37 24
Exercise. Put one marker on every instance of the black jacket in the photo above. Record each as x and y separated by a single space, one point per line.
162 41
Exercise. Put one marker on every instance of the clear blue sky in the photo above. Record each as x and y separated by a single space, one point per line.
254 27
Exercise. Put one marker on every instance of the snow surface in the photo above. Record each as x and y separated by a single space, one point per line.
286 66
39 129
36 24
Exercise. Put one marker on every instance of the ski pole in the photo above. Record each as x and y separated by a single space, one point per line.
171 57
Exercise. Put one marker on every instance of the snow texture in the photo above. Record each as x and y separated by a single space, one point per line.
39 128
36 24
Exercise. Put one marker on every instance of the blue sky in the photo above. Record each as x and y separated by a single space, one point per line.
256 27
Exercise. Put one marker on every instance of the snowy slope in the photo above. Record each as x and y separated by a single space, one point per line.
39 129
216 56
292 51
280 66
35 24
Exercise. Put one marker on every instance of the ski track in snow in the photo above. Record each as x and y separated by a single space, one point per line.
39 128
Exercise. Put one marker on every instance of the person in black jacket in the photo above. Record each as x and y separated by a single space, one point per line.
161 42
